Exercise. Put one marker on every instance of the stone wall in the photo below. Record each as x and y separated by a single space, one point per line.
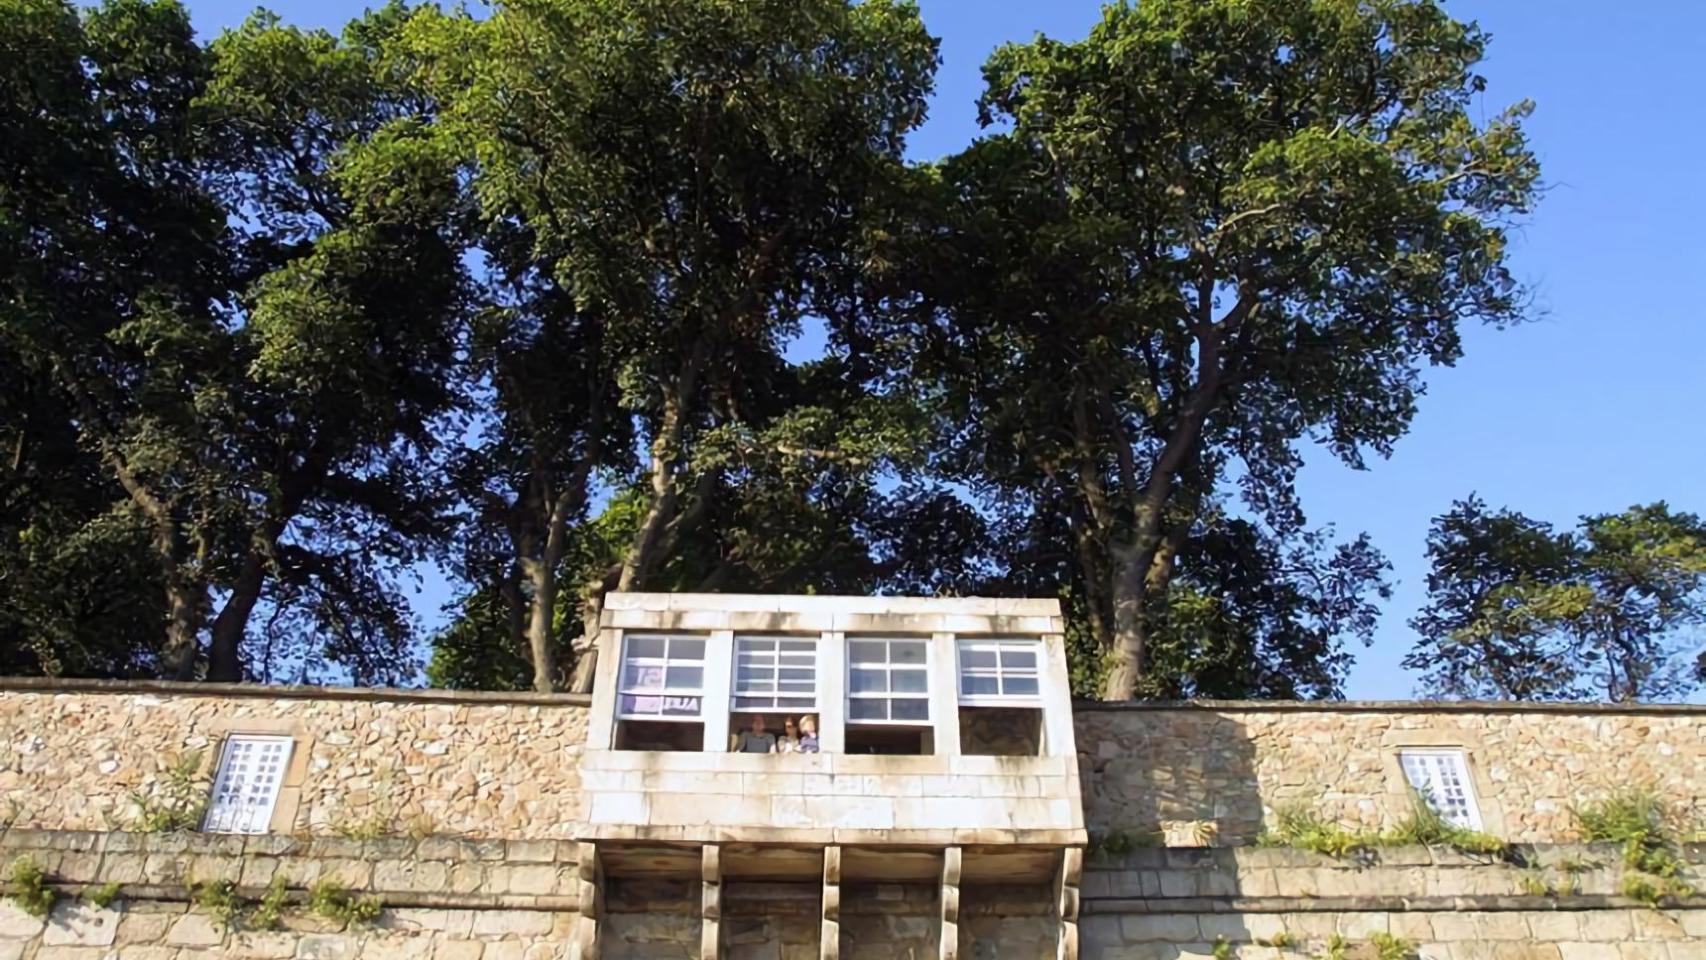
1158 767
76 756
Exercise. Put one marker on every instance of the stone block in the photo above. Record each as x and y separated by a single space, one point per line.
262 945
75 923
1164 927
322 946
194 930
458 950
15 924
522 923
1607 926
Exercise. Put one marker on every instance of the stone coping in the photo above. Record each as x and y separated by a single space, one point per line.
1393 706
261 691
530 698
832 603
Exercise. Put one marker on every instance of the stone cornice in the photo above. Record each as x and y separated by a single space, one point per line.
1394 706
289 692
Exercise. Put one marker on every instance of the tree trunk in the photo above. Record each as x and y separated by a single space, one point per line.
184 604
224 653
586 645
1130 632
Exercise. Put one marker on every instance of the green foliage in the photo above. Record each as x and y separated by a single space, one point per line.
102 896
330 899
1222 949
268 912
1116 843
1519 611
1641 822
1279 941
1389 947
219 898
1336 947
176 803
33 895
1306 830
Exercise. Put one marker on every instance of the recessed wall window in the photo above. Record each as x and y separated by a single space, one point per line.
888 681
663 678
246 786
1441 777
775 674
999 672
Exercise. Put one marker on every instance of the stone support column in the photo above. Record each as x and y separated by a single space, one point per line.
710 902
590 886
1066 880
950 937
829 935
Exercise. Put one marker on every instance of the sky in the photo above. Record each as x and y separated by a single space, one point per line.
1591 407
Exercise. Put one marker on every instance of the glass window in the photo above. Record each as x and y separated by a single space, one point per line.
245 789
888 681
1441 777
662 678
775 673
999 670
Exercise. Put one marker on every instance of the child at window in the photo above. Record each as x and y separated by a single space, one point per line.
808 735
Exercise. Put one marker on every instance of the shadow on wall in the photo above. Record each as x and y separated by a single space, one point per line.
1174 777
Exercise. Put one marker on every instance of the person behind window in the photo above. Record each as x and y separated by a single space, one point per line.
789 741
808 735
755 739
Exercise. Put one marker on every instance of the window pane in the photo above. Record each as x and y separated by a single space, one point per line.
685 678
906 651
683 648
1019 657
650 648
909 709
972 659
806 647
910 681
796 673
978 686
1021 686
754 679
866 651
796 703
867 709
866 680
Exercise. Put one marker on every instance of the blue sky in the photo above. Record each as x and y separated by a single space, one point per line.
1592 407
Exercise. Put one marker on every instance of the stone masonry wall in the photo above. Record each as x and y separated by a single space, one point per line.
371 762
1159 767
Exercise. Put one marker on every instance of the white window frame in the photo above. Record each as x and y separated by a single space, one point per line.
663 664
995 645
776 694
928 669
248 810
1433 764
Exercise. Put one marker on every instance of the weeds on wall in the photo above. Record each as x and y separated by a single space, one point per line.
333 901
31 892
177 803
219 898
1643 825
268 913
1389 947
102 897
1117 843
1304 829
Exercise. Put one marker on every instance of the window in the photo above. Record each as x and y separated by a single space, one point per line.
662 678
998 671
888 681
245 789
1441 777
775 673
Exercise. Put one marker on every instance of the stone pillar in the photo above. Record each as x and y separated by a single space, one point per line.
945 693
832 692
710 901
590 886
829 935
714 704
1066 880
950 939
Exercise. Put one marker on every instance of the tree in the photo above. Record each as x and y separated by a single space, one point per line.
1203 234
1517 610
228 269
674 186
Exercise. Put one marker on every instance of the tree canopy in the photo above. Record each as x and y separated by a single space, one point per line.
1518 610
594 295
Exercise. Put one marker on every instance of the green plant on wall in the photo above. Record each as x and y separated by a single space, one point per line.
102 896
32 894
333 901
1389 947
268 913
1641 823
177 802
1305 829
220 899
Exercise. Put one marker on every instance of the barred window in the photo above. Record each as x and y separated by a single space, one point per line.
663 678
245 788
775 673
998 671
888 680
1441 778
